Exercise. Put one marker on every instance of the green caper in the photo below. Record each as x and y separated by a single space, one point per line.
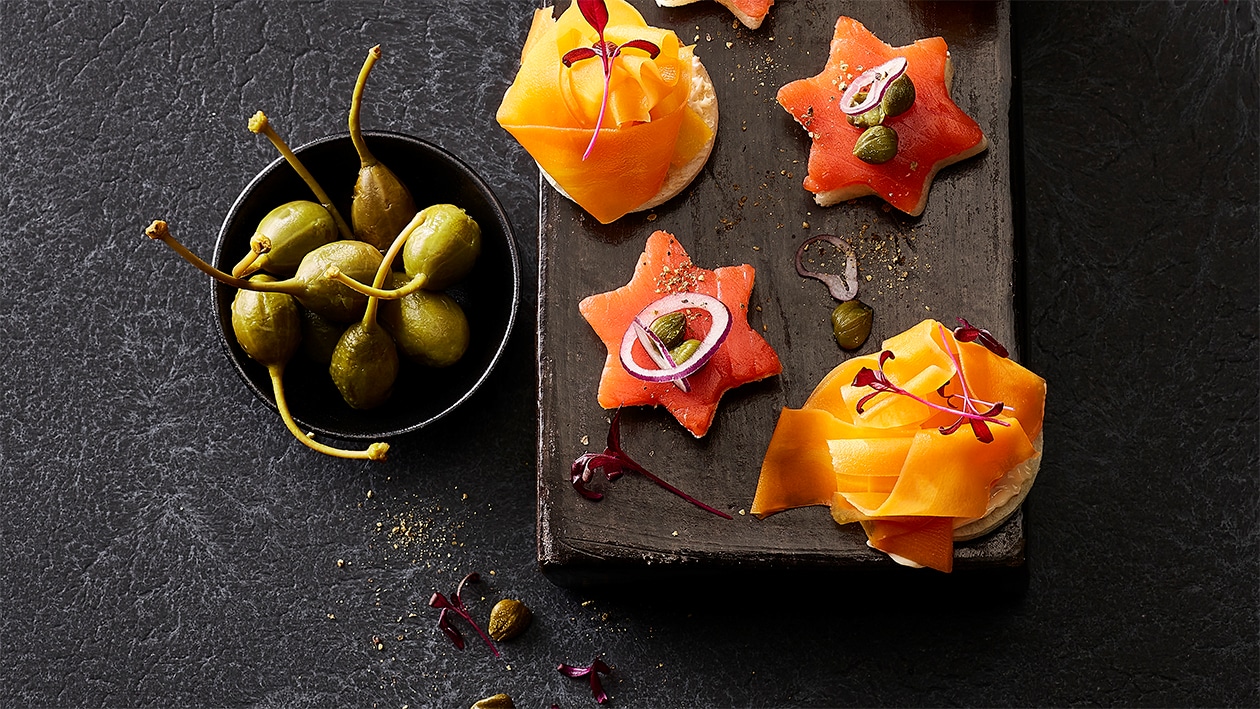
429 328
669 328
899 96
684 352
267 325
364 365
382 204
325 295
868 119
285 236
310 284
876 145
320 336
851 323
443 245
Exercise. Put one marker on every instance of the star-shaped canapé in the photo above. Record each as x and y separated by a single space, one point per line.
933 133
743 357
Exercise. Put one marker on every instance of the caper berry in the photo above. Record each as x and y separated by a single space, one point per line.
876 145
669 328
684 352
899 97
851 323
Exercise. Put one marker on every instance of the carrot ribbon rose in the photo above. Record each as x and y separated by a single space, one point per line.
601 104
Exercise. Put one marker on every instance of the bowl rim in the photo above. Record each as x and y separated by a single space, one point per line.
217 298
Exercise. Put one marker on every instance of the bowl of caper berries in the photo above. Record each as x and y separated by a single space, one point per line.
365 301
365 284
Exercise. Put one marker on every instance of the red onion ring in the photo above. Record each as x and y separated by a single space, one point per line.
658 351
878 79
842 289
669 304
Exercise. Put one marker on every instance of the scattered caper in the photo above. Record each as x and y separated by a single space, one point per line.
685 351
498 701
876 145
851 323
669 328
899 97
508 618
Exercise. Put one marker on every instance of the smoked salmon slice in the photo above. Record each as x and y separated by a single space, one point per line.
750 12
664 267
932 134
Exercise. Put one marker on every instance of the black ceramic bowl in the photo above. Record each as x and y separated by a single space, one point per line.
489 294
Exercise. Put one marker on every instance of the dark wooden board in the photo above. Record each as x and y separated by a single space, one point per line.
748 206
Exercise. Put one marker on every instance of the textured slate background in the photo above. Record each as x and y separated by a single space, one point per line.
165 543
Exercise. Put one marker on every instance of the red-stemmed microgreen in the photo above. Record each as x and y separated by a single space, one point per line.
966 332
969 412
596 14
614 463
949 400
592 671
456 606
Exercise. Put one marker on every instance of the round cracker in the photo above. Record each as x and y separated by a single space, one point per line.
1022 476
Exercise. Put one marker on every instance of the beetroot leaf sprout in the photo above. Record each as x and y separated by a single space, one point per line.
456 606
592 671
614 463
596 14
966 332
968 411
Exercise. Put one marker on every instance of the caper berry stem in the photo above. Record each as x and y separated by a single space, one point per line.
160 231
246 266
259 244
259 123
366 158
415 284
375 451
369 315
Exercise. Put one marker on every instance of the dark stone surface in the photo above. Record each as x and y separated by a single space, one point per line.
167 543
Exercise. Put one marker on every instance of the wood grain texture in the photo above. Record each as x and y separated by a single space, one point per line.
748 206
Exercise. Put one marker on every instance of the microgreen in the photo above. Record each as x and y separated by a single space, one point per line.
593 671
614 463
966 332
596 14
457 607
968 413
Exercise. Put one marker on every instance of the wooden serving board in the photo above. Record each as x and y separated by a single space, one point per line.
748 206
